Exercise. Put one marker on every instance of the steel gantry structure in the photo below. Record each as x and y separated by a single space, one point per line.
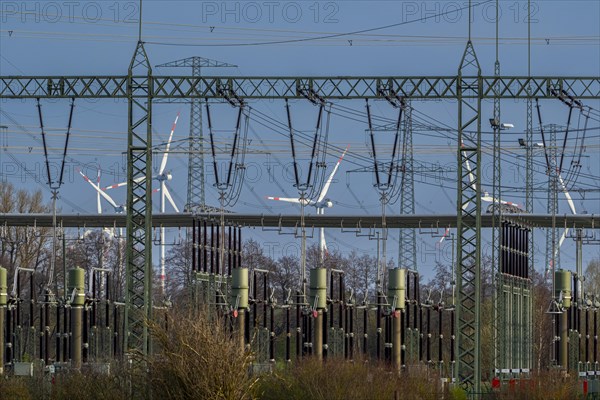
140 87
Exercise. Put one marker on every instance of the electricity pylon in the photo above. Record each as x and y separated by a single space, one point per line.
196 195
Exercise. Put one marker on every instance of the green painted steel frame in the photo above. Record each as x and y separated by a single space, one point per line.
407 257
183 87
139 205
468 347
141 88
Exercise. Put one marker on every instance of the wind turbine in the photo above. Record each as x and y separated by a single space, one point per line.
162 177
486 196
101 193
119 209
321 203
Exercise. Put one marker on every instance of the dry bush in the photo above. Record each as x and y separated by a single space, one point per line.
198 358
89 386
14 388
344 380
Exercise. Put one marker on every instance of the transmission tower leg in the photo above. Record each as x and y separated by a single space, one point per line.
468 368
407 249
138 309
529 209
499 318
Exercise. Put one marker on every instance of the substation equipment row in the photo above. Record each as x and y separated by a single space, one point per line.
85 327
575 323
328 321
49 332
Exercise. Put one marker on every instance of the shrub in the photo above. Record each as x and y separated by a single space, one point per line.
198 358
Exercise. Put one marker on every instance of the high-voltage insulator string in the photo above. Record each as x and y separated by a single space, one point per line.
55 185
309 185
391 171
378 182
575 170
230 188
539 113
395 147
318 151
562 153
572 103
385 186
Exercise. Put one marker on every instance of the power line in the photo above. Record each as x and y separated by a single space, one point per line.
335 35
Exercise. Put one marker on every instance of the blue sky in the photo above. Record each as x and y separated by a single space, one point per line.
87 38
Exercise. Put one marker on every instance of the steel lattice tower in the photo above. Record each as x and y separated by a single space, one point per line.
468 269
499 311
196 194
138 301
407 257
529 179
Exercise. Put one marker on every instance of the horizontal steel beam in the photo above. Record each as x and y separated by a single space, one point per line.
345 222
183 87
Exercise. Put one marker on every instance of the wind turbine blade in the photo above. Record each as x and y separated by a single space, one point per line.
163 164
328 183
557 249
471 176
567 195
444 235
118 185
98 202
571 206
322 242
490 199
286 199
168 196
562 239
100 191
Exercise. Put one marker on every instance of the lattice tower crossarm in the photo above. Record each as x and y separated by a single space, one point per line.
266 88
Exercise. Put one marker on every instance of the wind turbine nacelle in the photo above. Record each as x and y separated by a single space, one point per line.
324 204
166 176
